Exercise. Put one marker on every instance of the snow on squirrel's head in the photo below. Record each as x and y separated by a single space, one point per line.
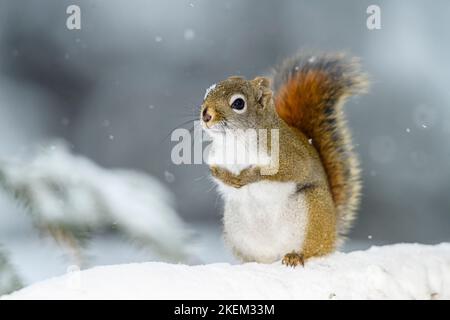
236 103
212 87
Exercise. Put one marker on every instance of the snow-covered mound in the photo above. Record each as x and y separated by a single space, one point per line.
404 271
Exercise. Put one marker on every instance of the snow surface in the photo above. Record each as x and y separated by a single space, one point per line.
403 271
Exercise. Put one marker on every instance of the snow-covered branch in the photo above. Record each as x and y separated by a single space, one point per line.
69 197
9 280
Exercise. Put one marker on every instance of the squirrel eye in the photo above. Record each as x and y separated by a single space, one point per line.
238 103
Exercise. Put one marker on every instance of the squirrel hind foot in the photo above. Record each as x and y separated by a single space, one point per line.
293 259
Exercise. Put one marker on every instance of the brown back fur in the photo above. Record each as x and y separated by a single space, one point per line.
309 94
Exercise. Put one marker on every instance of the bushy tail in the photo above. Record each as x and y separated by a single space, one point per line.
310 91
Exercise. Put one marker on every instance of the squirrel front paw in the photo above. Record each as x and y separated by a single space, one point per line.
293 259
226 177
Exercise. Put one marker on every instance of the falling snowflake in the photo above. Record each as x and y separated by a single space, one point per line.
65 122
425 116
189 34
169 176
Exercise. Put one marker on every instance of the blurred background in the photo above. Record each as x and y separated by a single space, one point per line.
115 89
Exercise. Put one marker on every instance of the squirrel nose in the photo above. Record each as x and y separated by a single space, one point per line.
206 116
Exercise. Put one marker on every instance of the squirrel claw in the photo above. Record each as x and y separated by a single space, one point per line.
293 259
235 185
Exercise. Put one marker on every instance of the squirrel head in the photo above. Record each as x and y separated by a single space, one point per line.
236 103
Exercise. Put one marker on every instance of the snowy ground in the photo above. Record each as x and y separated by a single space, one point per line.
37 259
404 271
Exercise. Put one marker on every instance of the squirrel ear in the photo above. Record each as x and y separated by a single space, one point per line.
236 78
262 84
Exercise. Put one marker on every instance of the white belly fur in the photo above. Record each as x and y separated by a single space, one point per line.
265 220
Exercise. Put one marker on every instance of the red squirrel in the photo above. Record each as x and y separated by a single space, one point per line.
306 207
